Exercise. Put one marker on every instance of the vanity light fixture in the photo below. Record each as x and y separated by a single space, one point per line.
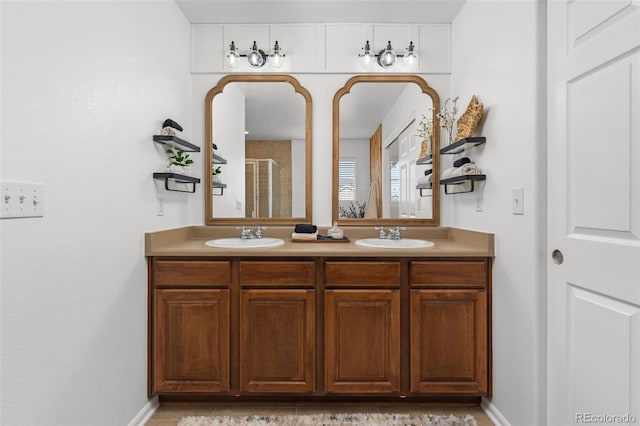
387 57
255 56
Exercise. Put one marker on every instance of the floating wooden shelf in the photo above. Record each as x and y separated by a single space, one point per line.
177 178
218 160
176 142
425 160
463 145
423 186
219 185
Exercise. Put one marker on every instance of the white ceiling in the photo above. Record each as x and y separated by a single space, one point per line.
310 11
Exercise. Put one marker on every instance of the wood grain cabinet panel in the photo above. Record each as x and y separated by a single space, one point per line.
362 341
191 346
192 273
277 273
454 273
278 341
355 274
449 341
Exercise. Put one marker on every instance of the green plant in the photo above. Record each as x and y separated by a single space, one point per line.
179 158
216 171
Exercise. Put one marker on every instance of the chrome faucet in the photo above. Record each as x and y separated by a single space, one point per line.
249 234
381 235
394 233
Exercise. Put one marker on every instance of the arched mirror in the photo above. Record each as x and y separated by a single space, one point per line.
380 175
259 170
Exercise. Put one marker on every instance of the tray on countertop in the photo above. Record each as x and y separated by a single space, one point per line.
343 240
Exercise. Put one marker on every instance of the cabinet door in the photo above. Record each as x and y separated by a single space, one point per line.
278 341
449 341
362 346
191 341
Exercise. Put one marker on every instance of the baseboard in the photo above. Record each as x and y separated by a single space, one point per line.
492 412
145 414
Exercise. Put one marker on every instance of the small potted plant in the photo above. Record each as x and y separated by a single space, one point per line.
179 162
215 172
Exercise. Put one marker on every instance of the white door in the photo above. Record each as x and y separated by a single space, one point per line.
594 212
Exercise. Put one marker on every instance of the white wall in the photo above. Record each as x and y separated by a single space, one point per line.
84 87
498 55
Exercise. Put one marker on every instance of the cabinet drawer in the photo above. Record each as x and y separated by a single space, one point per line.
191 273
274 273
362 274
448 273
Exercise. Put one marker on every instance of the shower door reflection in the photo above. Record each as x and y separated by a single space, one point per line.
264 188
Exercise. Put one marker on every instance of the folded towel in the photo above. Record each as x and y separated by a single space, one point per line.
304 236
461 161
467 169
425 179
305 228
428 172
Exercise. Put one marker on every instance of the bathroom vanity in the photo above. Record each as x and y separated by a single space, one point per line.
319 320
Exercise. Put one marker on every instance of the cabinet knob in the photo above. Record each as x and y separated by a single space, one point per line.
557 257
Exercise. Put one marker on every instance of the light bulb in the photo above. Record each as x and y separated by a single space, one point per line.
411 58
277 57
387 57
232 57
367 60
255 56
367 57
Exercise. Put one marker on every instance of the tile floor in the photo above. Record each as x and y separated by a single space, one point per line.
170 414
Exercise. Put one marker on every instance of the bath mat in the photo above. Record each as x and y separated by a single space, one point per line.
372 419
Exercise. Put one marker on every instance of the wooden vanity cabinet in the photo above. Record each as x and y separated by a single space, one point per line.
320 327
362 341
190 318
362 327
449 327
277 327
191 341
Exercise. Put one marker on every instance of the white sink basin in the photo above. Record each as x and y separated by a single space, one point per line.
244 243
404 243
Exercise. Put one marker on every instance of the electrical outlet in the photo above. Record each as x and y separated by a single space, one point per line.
479 202
160 207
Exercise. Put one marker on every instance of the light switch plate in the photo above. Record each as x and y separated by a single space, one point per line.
517 200
21 199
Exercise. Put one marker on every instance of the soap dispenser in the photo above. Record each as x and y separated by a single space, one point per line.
335 232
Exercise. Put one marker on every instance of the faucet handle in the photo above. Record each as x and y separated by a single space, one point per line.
245 231
394 233
381 235
259 230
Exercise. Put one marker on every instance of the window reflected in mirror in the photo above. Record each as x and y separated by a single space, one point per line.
377 145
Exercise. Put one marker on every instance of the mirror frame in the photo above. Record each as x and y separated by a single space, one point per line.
435 149
208 149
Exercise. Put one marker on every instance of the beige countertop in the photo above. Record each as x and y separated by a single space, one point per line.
190 241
